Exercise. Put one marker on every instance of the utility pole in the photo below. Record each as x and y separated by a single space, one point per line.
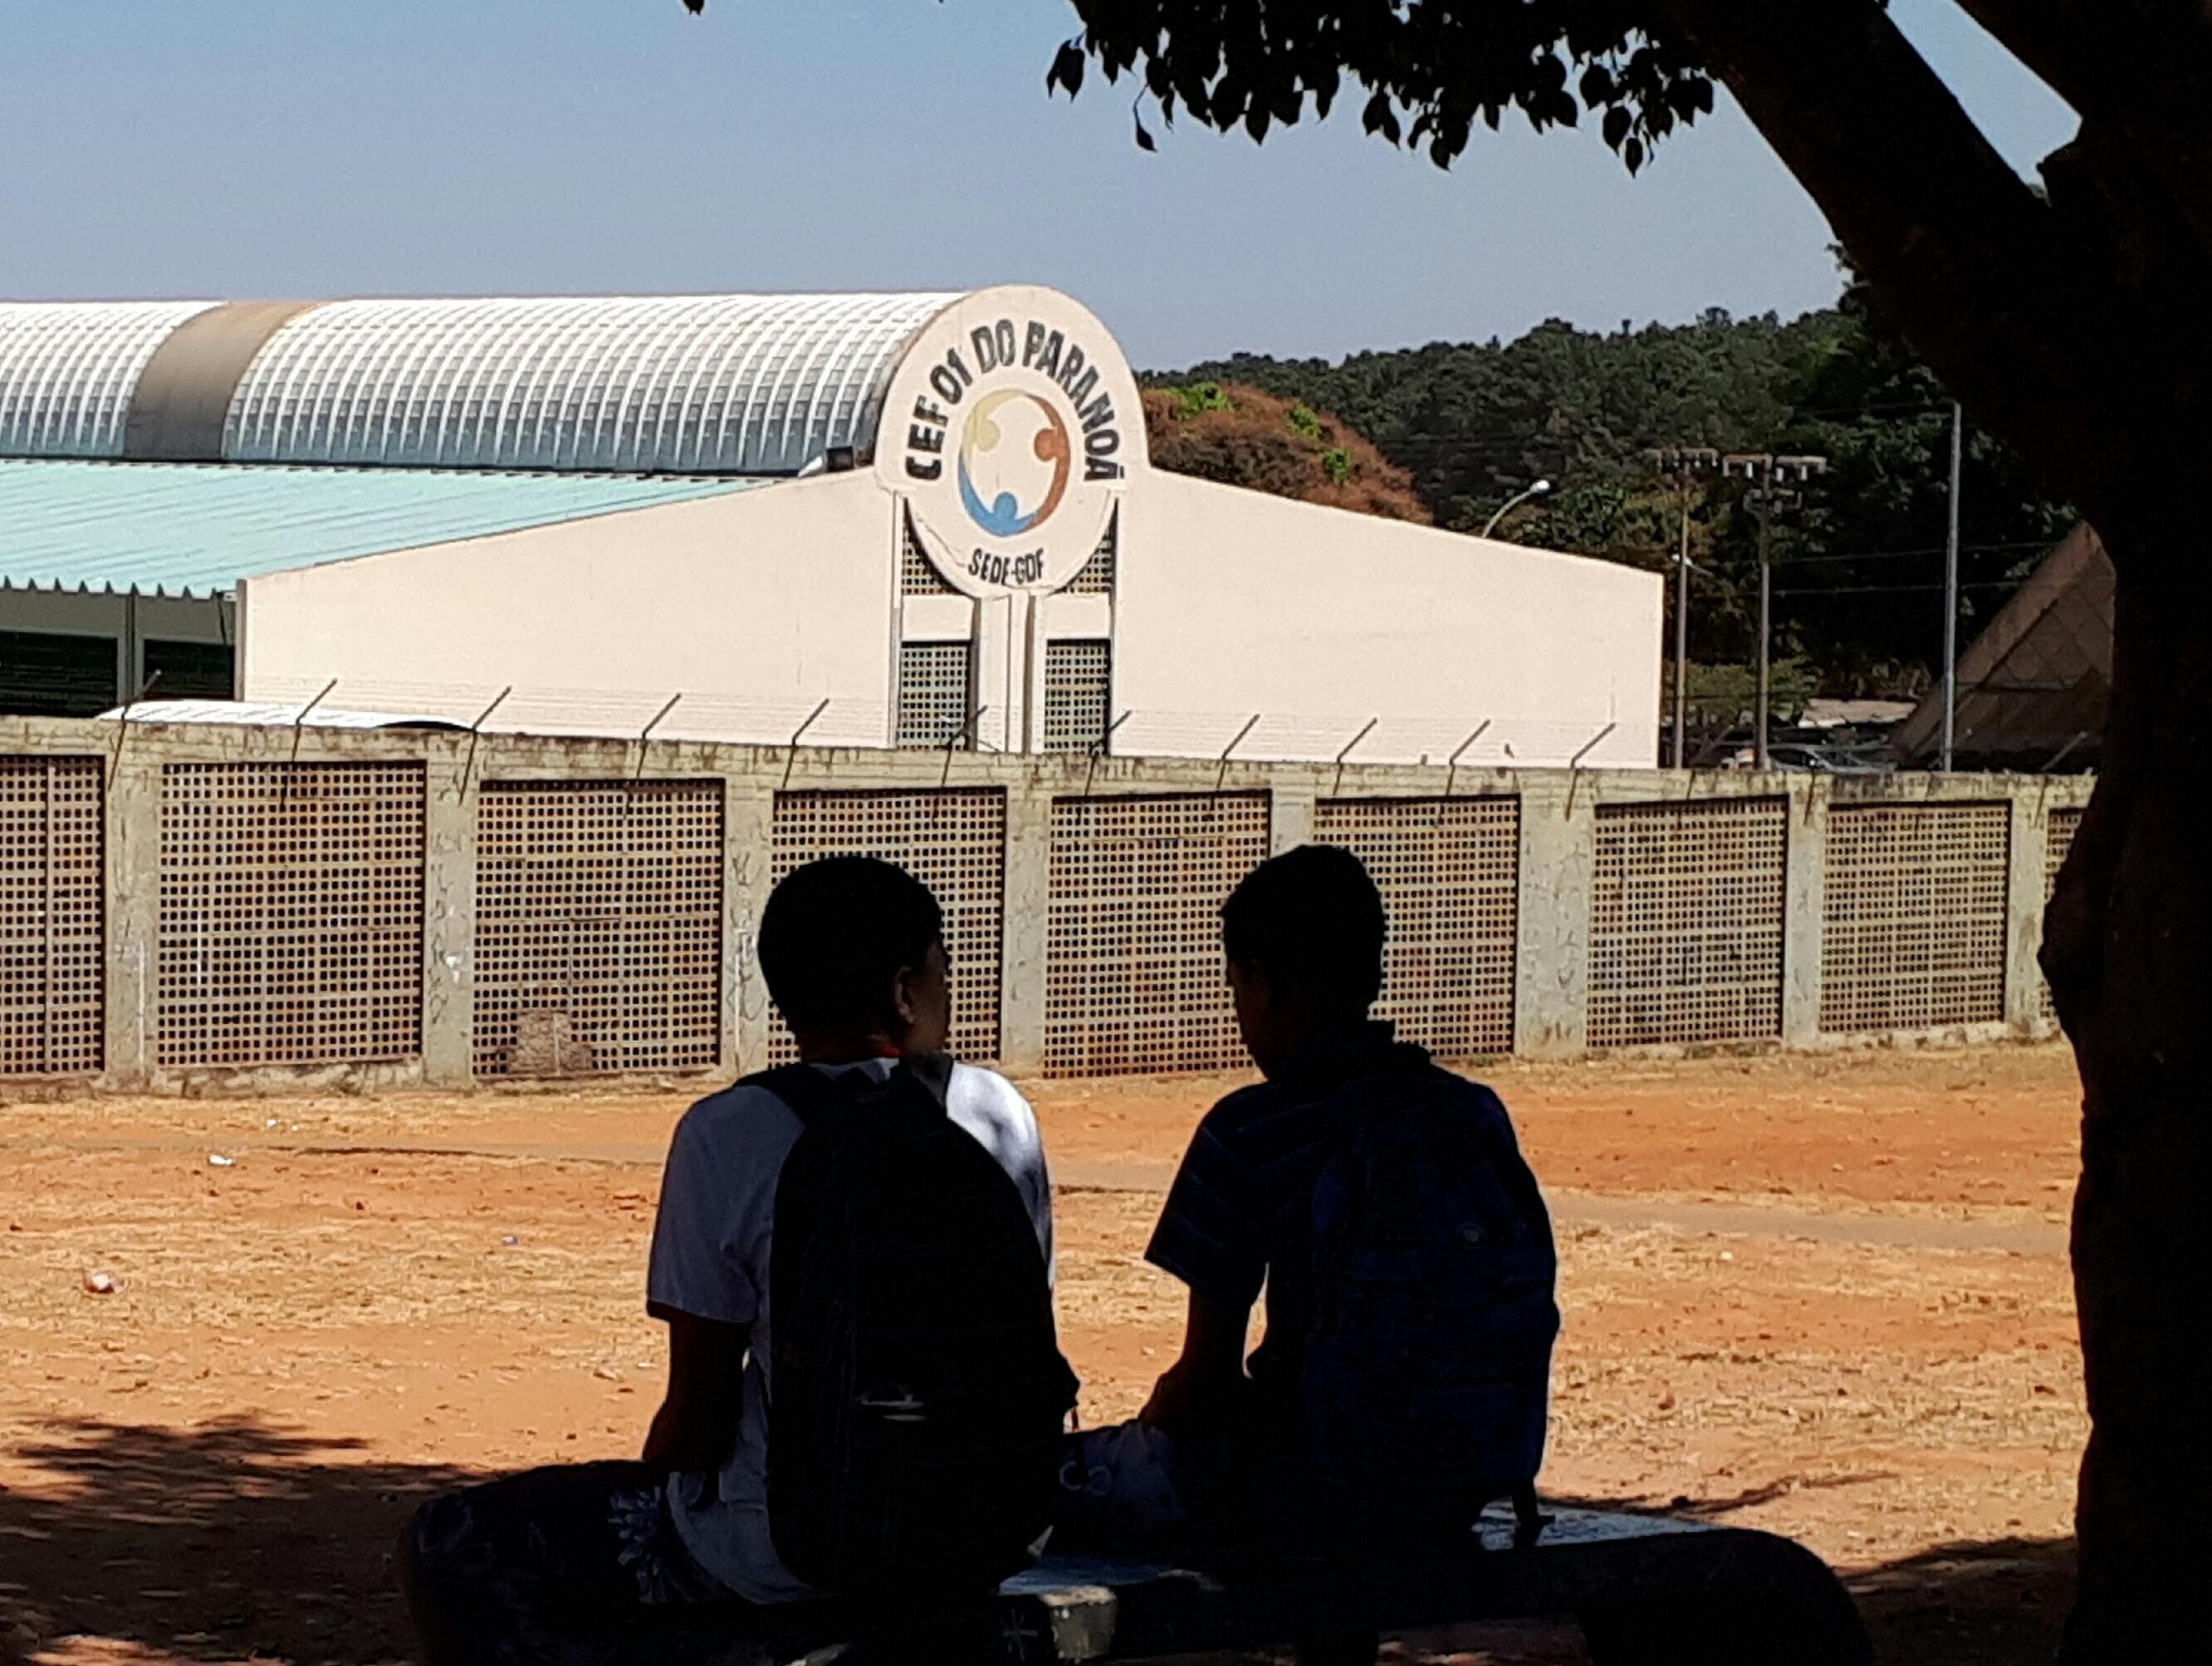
1774 487
1680 464
1951 592
1682 640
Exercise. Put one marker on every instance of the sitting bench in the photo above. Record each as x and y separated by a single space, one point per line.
1647 1590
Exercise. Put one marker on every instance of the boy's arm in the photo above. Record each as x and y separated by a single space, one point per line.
697 1425
715 1195
1212 1236
1203 1385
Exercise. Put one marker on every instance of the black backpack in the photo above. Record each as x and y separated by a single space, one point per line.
1426 1370
919 1393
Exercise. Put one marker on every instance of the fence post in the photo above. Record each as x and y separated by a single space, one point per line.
449 917
1025 919
748 860
1558 853
1290 811
2024 882
133 879
1804 907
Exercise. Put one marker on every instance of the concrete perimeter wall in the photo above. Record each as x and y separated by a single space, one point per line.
195 909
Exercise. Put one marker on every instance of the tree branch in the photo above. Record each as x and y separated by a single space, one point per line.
1970 263
2142 68
2042 37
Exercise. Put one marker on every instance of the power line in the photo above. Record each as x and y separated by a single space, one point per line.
1914 555
1897 589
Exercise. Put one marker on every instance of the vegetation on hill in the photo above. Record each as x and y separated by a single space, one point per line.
1859 569
1241 435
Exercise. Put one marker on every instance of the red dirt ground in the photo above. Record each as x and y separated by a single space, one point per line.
1823 1295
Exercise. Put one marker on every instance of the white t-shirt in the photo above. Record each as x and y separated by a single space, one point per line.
710 1259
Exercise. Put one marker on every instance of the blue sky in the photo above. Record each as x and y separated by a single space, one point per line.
275 148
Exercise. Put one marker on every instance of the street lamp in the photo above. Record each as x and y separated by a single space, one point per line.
1513 503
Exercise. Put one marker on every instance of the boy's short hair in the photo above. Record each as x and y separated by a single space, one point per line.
836 931
1312 920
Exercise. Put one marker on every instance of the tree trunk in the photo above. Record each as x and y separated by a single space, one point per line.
2128 949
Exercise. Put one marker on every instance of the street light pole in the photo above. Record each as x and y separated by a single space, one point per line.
1538 490
1682 640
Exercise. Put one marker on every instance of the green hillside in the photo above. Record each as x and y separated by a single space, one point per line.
1858 572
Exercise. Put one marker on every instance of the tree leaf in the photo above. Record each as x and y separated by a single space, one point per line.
1379 117
1144 140
1067 67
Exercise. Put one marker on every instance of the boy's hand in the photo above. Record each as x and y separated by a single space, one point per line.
1206 1383
1191 1397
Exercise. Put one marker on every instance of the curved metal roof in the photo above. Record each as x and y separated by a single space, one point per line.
68 371
705 384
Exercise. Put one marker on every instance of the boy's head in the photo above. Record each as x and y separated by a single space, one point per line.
1303 935
852 949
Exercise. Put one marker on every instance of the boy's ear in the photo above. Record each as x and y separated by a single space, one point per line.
904 1005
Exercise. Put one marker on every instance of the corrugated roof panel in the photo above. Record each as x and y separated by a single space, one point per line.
190 528
67 369
693 384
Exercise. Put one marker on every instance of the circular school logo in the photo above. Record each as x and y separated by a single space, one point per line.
1014 462
1010 430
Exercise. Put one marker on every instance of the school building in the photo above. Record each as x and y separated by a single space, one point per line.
849 520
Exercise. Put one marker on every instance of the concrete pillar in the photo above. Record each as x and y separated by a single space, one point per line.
1559 851
997 655
133 809
748 857
2030 831
449 919
1804 909
1290 815
1028 907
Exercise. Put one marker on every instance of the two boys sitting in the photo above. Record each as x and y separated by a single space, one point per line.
1379 1201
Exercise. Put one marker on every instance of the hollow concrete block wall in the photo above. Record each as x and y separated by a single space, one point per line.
1554 922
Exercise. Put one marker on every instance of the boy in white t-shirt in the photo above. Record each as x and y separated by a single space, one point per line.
565 1562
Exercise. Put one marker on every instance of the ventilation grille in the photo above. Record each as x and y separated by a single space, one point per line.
291 914
1078 689
918 574
598 927
2057 840
1914 931
1097 574
1134 980
932 696
1450 874
956 844
1686 922
51 915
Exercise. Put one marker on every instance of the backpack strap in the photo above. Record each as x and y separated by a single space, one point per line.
808 1093
1528 1522
812 1094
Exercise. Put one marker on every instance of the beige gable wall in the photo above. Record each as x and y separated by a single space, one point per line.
754 607
1233 603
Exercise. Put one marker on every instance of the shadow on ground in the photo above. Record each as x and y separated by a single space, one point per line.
225 1541
235 1541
